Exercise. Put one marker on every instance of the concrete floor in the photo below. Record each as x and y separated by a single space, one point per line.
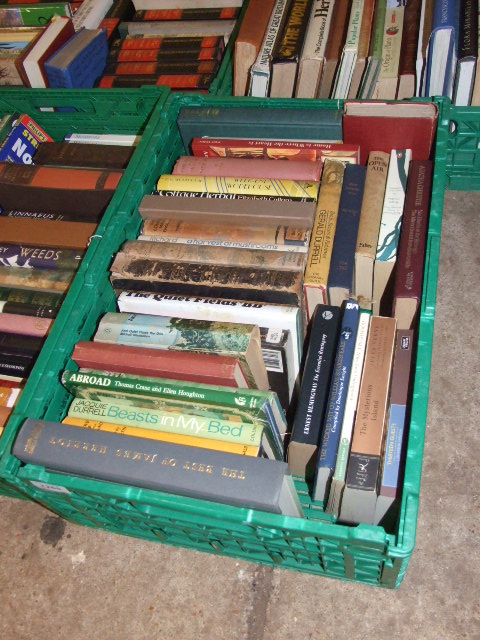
60 581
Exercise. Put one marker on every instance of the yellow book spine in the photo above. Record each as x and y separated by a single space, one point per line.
176 438
239 186
323 233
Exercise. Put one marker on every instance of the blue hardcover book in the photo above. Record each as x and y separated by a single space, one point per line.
341 273
79 62
327 455
442 49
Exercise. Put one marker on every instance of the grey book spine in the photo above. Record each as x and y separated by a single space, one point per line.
255 483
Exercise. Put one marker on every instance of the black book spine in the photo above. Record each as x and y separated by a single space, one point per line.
35 310
288 46
20 344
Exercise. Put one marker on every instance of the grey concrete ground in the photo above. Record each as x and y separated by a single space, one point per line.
64 582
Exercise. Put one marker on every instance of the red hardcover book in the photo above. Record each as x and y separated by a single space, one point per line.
158 55
160 68
274 149
248 168
382 126
144 41
225 371
201 81
226 13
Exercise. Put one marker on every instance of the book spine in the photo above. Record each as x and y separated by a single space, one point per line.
34 297
187 471
174 81
227 13
411 27
176 438
24 324
313 394
257 186
31 257
31 310
323 232
155 68
187 422
167 193
20 344
17 366
120 55
58 177
274 238
391 49
335 411
90 14
171 45
52 280
23 141
261 69
289 43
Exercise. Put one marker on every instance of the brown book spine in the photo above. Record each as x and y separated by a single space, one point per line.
93 156
48 233
411 26
333 50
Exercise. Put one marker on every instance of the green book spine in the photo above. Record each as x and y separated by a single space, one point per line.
169 421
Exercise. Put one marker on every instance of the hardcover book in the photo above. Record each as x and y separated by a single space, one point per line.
369 226
22 142
27 325
442 50
159 68
90 14
408 52
178 28
374 60
335 42
337 395
56 280
360 493
192 13
243 481
343 76
407 289
288 48
87 155
467 53
200 81
389 232
363 48
323 232
48 233
248 42
32 257
208 368
386 86
340 276
313 394
192 336
322 125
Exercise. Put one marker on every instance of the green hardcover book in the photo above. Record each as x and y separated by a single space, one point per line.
31 15
31 296
249 404
183 422
198 336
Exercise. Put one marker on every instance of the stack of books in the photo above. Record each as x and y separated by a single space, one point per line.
49 211
359 49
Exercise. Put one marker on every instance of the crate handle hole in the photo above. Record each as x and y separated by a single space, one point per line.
453 128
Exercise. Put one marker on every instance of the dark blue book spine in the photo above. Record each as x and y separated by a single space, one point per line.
344 243
327 456
30 257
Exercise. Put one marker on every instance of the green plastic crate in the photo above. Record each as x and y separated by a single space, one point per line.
463 151
366 554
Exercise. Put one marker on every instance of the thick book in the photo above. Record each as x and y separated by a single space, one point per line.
344 74
442 54
191 336
467 53
383 126
99 385
338 480
389 231
56 189
271 237
313 53
230 211
31 64
242 481
33 257
79 62
261 70
273 317
26 325
360 493
176 438
386 86
322 125
407 288
369 226
208 368
336 404
313 394
288 48
22 141
341 273
322 236
248 168
333 50
201 254
87 156
295 189
248 42
407 68
48 233
239 283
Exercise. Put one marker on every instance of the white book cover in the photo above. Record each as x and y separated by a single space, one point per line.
344 73
261 69
90 14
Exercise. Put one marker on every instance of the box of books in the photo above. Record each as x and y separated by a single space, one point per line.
86 145
195 391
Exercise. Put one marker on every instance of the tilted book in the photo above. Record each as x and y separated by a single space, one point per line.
313 395
323 233
369 226
178 334
361 488
242 481
327 454
208 368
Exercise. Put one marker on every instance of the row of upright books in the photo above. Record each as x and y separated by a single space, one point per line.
113 44
365 49
214 357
